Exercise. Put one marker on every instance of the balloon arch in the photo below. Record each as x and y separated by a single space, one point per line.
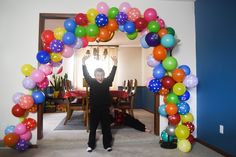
169 79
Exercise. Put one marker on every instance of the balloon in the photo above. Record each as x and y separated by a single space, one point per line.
179 89
27 69
183 108
26 102
17 111
90 39
121 28
16 97
144 32
191 139
168 41
43 57
121 18
69 51
124 7
91 15
59 32
140 24
170 30
159 53
151 61
77 45
46 47
162 110
104 34
33 109
55 64
154 85
69 38
161 22
133 14
30 123
148 80
144 43
28 83
38 96
85 42
190 81
11 139
101 20
129 27
37 75
9 129
185 96
112 12
150 14
172 98
132 36
92 30
187 118
81 19
165 137
26 136
112 25
56 45
20 129
171 109
47 36
169 63
55 57
153 26
158 71
174 119
185 68
182 132
170 130
190 126
70 25
184 146
163 91
102 8
22 145
46 69
178 75
152 39
168 82
162 32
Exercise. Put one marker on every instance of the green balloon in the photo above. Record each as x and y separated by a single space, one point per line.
92 30
172 98
80 31
170 30
154 26
112 12
132 36
169 63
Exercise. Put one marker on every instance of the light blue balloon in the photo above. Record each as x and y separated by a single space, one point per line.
183 108
9 129
168 40
143 42
162 110
158 71
186 69
121 28
70 25
164 137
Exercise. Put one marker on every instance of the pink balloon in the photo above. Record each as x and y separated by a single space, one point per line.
144 32
26 136
150 14
134 14
85 42
46 69
67 52
20 129
26 101
37 75
161 22
102 8
43 84
124 7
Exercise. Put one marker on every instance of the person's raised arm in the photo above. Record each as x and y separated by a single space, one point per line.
87 77
113 71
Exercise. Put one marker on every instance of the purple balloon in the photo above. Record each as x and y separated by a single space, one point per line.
16 97
152 39
56 46
121 18
151 61
78 44
190 81
22 145
55 64
28 83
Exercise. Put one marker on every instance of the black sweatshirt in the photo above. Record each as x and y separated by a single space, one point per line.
99 92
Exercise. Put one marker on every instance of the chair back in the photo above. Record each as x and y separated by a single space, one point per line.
132 92
126 85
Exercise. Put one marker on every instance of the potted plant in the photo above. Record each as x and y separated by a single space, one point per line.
56 84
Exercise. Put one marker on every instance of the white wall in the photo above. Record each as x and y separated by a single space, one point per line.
19 39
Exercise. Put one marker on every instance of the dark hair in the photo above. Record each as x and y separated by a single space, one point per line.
99 70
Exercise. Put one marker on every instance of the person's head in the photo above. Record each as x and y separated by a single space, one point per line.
99 75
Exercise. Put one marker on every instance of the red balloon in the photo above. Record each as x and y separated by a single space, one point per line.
47 36
191 139
140 24
167 82
81 19
30 123
17 110
174 119
46 47
190 126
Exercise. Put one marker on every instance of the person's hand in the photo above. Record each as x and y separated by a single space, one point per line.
85 58
114 58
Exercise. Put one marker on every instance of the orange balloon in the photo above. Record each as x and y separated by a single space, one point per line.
162 32
112 25
90 39
171 109
159 52
163 91
11 139
33 109
165 99
104 34
178 75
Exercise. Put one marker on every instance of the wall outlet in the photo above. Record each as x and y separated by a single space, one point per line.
221 129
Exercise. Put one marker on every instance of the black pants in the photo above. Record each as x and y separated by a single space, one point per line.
134 123
100 115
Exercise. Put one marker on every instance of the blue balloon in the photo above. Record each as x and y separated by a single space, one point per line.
101 20
70 25
155 85
183 108
38 96
43 57
186 69
9 129
143 42
162 110
56 46
158 71
168 40
69 38
121 28
129 27
185 96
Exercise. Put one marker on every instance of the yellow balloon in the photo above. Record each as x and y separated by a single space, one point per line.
56 57
182 132
27 69
59 32
179 89
184 145
91 15
187 118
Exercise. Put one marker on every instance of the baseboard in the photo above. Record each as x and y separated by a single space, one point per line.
218 150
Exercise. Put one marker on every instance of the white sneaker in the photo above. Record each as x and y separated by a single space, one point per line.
109 149
89 149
